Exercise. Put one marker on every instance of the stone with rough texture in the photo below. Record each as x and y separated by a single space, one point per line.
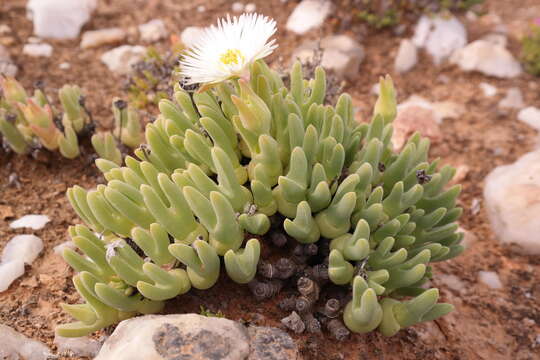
488 58
59 19
15 346
9 272
100 37
440 36
407 56
167 337
441 109
268 343
512 201
414 118
531 116
308 15
190 35
153 30
38 50
25 248
121 59
512 100
451 281
487 89
83 346
340 54
33 221
490 278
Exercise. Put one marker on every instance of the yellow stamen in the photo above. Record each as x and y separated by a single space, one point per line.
231 56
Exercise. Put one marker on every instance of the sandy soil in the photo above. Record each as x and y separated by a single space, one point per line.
487 324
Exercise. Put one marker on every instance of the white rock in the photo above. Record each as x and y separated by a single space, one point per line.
237 7
440 36
490 278
341 54
451 281
251 7
7 67
59 19
64 66
59 249
78 347
164 337
25 248
9 272
153 30
469 239
4 29
15 346
121 59
201 8
488 58
34 40
512 201
100 37
496 39
531 116
414 118
308 15
32 221
407 56
190 35
37 50
376 89
441 109
487 89
513 99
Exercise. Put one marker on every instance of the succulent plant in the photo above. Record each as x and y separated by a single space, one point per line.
217 164
30 122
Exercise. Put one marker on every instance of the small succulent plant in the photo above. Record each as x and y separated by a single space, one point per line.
30 122
530 51
383 13
249 163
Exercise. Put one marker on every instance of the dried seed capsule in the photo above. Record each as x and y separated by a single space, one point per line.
319 273
331 308
294 323
312 324
288 303
285 268
304 304
278 239
266 269
337 329
265 290
311 249
308 288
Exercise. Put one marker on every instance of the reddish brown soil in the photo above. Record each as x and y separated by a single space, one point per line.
487 324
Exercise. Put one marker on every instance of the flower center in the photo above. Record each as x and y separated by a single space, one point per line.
231 56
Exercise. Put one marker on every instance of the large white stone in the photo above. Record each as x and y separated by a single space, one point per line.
100 37
33 221
531 116
25 248
440 36
308 15
121 59
38 50
153 30
163 337
59 19
512 201
9 272
340 53
190 35
15 346
407 56
488 58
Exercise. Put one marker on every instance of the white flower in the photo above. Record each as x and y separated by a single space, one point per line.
228 49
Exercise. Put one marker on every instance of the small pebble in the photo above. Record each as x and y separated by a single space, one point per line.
251 7
38 50
32 221
237 7
490 279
